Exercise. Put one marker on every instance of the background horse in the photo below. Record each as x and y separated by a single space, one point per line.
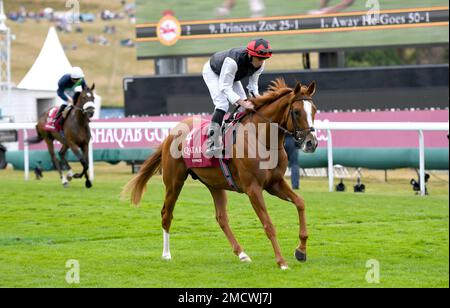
76 136
294 111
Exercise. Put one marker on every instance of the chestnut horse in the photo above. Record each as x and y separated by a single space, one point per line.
76 136
293 111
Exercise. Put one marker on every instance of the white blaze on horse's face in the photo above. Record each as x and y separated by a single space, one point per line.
307 106
310 144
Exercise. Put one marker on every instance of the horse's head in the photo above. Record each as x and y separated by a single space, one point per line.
292 109
302 112
86 100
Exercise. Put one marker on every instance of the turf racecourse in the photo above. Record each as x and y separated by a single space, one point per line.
43 225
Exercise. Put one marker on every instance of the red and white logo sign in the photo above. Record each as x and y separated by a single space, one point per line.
169 30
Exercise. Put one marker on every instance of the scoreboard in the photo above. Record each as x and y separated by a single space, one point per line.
171 36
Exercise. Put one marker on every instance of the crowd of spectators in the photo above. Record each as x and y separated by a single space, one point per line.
67 22
49 14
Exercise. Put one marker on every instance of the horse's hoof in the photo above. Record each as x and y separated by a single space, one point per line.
88 184
284 267
301 257
66 184
244 258
77 176
167 256
69 176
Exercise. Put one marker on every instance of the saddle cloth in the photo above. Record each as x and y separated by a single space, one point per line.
51 124
195 145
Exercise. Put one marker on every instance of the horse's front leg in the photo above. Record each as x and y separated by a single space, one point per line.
85 162
220 201
283 191
256 198
82 155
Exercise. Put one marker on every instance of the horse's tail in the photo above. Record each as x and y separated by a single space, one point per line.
36 139
136 187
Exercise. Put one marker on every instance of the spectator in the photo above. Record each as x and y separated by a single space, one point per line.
130 9
109 29
103 41
127 43
91 39
22 12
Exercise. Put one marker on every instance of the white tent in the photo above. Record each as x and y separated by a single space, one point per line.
49 67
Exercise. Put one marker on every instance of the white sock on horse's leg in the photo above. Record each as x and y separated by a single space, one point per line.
64 180
244 257
166 251
70 173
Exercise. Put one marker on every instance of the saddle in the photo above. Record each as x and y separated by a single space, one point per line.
194 148
52 125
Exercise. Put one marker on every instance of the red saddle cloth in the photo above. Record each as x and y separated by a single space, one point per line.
195 145
51 124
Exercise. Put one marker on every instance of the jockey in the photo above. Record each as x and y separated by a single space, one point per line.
67 87
222 74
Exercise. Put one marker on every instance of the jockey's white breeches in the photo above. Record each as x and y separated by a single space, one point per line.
219 98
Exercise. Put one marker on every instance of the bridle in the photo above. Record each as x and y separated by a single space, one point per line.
299 134
82 109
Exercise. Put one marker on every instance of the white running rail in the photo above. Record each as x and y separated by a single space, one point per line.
418 127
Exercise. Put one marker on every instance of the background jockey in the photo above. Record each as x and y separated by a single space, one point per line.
67 88
222 74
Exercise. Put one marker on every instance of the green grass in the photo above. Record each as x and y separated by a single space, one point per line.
43 226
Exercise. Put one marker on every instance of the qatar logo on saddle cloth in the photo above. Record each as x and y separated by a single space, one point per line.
194 146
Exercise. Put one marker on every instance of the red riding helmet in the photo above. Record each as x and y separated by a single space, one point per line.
259 48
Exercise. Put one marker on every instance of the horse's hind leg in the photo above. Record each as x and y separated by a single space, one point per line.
62 155
220 201
174 176
51 150
256 198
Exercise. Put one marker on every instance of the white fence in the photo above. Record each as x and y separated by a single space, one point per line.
325 126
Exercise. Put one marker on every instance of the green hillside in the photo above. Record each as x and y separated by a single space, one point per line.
104 65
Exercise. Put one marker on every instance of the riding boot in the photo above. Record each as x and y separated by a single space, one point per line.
59 116
214 143
60 111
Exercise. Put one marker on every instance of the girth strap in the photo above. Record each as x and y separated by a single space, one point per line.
228 176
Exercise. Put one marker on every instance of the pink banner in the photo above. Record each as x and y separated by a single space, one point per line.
148 138
385 139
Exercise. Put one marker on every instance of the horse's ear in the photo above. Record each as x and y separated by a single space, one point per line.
298 88
93 87
312 88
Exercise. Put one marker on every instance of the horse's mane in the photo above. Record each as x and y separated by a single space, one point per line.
276 90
